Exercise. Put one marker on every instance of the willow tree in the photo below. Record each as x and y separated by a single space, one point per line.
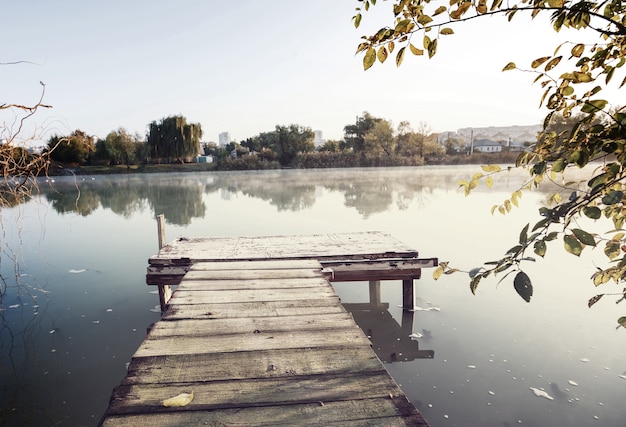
174 138
597 135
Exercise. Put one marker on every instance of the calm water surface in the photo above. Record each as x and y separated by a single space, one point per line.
80 307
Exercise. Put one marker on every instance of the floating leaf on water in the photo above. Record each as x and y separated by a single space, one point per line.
74 271
623 377
584 360
14 306
415 335
471 366
574 383
540 393
182 399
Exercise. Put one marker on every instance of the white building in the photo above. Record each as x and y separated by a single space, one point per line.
318 140
224 139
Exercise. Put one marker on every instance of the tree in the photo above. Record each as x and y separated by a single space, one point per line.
598 134
290 140
380 139
174 138
75 148
354 135
18 166
119 147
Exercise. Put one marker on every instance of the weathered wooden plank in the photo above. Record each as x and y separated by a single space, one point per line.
371 245
381 269
233 284
248 295
338 359
254 392
252 274
199 327
281 264
254 309
250 342
387 411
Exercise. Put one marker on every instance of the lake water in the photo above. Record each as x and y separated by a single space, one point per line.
80 307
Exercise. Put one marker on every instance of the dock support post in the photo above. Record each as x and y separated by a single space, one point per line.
375 292
165 292
408 295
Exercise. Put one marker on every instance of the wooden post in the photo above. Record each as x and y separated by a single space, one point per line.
165 292
375 292
408 295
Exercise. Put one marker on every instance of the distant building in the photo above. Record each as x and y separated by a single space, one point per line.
224 139
487 146
318 140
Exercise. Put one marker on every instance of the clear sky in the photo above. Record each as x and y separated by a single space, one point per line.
246 66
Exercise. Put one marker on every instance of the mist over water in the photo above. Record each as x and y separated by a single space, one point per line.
75 305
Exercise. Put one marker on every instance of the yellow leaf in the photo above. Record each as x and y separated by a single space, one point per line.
382 54
182 399
489 181
509 66
400 56
438 272
537 62
415 51
369 58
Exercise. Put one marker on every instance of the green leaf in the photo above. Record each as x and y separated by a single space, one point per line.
612 198
592 212
523 286
474 284
622 321
572 245
474 271
540 248
523 235
357 20
584 237
612 249
594 106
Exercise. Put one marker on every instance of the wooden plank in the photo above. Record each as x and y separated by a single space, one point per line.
252 274
248 295
281 264
254 309
396 411
197 327
233 284
339 359
250 342
371 245
211 395
381 269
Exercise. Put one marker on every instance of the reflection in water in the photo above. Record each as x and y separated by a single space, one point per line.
59 361
391 342
179 196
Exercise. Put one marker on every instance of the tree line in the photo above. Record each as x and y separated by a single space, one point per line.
370 141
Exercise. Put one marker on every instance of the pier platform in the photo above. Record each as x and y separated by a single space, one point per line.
255 335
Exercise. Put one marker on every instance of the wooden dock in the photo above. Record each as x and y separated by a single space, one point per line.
257 336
